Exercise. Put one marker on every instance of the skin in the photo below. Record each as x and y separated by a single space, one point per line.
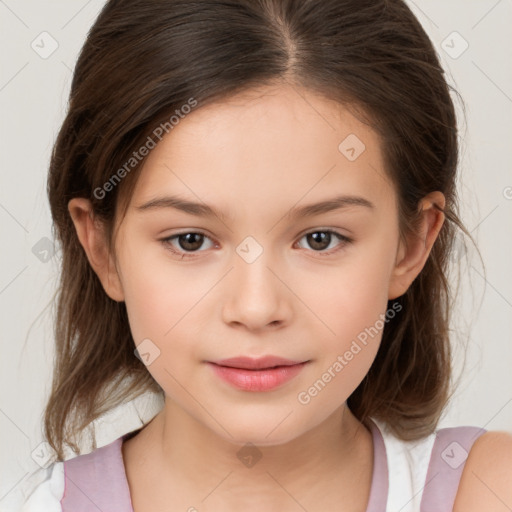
255 157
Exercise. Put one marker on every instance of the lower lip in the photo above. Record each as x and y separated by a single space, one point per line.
257 380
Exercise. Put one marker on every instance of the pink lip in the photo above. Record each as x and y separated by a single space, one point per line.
258 363
261 374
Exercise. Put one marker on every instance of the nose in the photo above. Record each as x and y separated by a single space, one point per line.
255 296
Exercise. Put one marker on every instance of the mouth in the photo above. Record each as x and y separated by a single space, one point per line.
260 363
263 374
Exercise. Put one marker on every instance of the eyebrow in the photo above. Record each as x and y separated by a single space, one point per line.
204 210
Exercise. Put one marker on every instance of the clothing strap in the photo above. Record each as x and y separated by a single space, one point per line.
379 488
96 482
449 454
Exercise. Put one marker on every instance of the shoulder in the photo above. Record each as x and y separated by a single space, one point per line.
486 482
41 491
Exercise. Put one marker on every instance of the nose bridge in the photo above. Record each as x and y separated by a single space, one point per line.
256 298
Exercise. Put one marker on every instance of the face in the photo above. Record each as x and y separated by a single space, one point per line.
267 273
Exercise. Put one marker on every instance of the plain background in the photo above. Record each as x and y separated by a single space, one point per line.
33 96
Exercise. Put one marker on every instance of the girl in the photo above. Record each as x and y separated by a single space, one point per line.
256 205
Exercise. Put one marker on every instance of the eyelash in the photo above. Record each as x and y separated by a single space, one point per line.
184 255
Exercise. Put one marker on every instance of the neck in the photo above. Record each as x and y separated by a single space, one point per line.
229 476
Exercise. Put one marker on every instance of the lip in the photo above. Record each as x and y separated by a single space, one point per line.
263 374
259 363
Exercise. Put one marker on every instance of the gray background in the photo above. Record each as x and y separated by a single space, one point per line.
34 85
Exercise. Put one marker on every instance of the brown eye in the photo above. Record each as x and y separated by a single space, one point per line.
321 241
190 241
185 244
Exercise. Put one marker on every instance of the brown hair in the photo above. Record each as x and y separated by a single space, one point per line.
142 62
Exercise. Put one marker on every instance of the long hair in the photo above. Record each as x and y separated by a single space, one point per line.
145 61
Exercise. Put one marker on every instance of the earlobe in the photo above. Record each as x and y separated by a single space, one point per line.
92 238
413 253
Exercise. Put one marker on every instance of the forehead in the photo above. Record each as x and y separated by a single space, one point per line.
266 146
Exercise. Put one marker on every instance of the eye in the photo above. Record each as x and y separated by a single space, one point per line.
185 243
188 243
321 240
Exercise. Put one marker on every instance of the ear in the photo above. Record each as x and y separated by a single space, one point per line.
412 255
92 238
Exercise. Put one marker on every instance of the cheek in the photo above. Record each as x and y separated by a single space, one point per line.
351 300
161 303
170 304
350 297
159 294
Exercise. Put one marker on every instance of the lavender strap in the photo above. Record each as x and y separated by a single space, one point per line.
449 454
96 482
380 478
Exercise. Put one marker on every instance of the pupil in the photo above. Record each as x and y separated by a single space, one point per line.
318 240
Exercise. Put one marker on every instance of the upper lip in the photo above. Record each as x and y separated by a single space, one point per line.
259 363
